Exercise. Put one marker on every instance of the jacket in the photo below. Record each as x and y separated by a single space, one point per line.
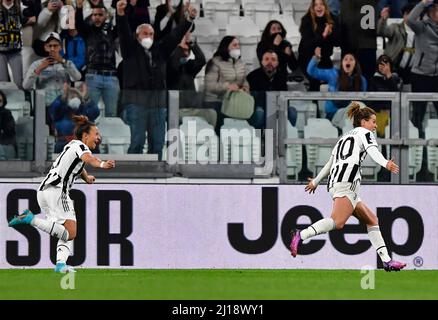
220 74
425 60
61 115
397 35
101 45
144 71
7 127
259 83
330 76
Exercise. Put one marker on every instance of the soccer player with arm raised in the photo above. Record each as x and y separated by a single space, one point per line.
344 175
53 193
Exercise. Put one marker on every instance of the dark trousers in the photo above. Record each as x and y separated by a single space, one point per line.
422 83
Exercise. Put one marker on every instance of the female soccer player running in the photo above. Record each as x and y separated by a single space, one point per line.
53 193
344 171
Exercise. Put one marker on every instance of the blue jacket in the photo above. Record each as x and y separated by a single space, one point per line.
331 77
75 51
61 114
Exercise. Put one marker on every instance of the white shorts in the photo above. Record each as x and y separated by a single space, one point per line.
57 206
345 189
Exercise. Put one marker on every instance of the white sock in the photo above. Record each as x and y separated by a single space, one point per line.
63 250
378 243
321 226
54 229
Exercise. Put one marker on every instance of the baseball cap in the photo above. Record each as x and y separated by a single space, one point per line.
52 35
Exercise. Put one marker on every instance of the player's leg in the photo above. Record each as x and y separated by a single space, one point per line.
366 216
342 210
64 248
47 225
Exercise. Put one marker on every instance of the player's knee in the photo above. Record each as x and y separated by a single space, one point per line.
339 224
72 235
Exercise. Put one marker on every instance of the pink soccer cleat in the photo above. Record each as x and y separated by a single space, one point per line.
295 241
393 265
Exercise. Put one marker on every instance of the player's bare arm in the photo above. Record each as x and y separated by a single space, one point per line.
87 177
96 162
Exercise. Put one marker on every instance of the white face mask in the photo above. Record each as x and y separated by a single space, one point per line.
74 103
235 53
175 3
146 43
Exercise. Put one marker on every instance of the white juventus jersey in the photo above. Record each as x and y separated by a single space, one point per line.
67 166
348 154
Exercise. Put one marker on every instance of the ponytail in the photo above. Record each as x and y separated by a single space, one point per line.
83 125
358 111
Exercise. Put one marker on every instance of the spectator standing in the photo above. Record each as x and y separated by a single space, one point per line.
144 96
358 33
400 45
11 23
424 75
101 74
319 28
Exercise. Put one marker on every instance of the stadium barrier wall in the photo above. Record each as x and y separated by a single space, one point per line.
220 226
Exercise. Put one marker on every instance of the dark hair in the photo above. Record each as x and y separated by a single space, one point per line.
5 101
358 113
344 81
386 59
266 35
222 49
83 125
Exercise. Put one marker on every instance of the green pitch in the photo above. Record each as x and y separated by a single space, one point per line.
217 284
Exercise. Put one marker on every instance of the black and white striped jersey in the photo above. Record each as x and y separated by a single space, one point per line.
348 154
67 166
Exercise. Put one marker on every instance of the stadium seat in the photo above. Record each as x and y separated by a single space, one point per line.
318 155
17 103
294 153
260 13
242 27
240 142
220 12
196 133
116 135
24 128
305 110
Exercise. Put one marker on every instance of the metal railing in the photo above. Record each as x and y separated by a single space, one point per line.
277 142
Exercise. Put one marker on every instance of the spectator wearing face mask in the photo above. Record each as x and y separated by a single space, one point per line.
274 39
267 78
7 130
144 95
224 72
71 103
